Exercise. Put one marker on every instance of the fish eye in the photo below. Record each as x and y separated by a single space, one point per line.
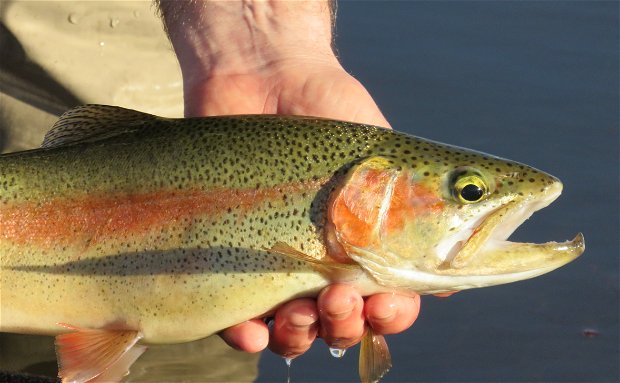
469 188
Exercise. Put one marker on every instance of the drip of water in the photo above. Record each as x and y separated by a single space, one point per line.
114 22
337 352
73 19
288 362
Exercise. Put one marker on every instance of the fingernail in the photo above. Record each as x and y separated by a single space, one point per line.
299 320
339 315
340 308
386 314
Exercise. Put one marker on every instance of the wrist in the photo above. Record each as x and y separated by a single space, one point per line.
247 38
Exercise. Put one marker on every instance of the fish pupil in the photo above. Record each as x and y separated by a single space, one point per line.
471 192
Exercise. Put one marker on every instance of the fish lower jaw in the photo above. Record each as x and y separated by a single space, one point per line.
518 261
487 257
506 256
431 283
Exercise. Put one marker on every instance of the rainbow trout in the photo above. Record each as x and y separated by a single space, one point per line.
126 229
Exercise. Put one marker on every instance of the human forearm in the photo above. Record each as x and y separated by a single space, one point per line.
252 57
227 38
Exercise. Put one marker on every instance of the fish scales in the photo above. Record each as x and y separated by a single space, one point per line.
137 282
179 228
250 154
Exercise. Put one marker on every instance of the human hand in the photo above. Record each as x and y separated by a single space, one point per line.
296 85
255 64
339 314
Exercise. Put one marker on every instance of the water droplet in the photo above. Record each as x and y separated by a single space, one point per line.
337 352
136 14
114 22
101 43
73 19
288 362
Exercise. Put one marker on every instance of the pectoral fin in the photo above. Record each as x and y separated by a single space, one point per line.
339 272
88 355
375 359
291 252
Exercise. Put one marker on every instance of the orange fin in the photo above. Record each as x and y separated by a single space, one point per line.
120 368
88 355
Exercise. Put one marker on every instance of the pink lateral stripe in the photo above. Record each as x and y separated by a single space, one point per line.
99 217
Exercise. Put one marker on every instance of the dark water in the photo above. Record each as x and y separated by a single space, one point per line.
536 82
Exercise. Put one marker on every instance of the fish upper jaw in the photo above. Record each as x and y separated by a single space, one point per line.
518 214
496 224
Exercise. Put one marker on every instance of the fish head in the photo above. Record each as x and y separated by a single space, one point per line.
441 222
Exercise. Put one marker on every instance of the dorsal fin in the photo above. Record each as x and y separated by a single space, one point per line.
89 123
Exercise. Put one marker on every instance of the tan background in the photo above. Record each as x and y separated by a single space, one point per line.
57 54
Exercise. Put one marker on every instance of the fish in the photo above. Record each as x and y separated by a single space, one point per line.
126 229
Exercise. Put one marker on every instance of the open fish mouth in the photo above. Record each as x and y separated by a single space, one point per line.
479 254
488 252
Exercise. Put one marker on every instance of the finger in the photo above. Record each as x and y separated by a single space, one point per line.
341 314
295 328
249 336
391 313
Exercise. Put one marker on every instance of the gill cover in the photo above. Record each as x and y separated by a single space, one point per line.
358 208
370 212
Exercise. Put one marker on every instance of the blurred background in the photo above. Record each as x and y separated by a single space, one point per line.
536 81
